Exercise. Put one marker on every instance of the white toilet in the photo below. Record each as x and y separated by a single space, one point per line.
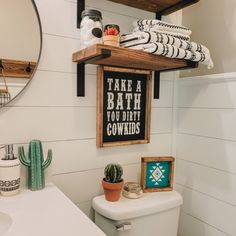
153 214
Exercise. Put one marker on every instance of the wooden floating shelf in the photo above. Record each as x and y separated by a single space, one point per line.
163 7
101 54
17 69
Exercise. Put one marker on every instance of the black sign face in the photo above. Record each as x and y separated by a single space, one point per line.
124 106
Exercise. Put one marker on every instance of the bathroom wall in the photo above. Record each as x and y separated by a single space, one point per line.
206 129
205 120
213 24
50 111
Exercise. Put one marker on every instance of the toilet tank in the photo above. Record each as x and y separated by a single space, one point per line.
154 214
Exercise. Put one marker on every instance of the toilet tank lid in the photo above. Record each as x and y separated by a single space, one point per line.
125 208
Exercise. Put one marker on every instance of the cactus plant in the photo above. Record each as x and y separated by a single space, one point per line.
35 163
113 173
112 183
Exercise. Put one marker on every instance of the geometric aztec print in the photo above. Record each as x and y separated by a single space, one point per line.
157 174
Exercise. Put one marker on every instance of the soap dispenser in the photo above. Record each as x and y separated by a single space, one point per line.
9 172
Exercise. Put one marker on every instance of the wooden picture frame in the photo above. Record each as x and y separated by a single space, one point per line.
120 121
157 174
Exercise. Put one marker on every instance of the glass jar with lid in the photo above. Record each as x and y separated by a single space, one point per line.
91 29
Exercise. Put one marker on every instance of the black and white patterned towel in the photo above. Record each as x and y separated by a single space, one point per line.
160 25
175 52
141 37
173 34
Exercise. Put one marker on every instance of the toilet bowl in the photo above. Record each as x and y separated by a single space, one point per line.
154 214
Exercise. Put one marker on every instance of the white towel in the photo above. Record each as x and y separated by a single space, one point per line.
175 52
173 34
161 25
141 37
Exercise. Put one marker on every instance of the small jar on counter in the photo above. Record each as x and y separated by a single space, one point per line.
91 28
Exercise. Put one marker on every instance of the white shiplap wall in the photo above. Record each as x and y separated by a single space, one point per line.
206 155
50 111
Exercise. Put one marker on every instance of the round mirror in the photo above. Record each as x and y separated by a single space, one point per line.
20 46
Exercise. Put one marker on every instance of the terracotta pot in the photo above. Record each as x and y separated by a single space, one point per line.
112 40
112 190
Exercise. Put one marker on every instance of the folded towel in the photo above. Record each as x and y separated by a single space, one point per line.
173 34
175 52
141 37
161 25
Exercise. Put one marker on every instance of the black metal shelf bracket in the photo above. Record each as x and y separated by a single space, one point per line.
156 84
80 79
105 53
80 8
156 93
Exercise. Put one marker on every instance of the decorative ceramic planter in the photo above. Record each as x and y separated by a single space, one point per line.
112 190
35 163
112 40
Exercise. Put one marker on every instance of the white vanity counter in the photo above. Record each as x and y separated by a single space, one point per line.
45 213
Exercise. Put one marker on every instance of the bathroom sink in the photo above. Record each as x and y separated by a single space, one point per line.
5 223
20 213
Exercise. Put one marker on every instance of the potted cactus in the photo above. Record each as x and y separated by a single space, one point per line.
112 182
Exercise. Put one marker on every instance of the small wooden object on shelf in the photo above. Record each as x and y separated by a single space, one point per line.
111 35
112 40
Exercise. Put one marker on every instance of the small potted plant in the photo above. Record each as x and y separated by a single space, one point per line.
111 35
112 182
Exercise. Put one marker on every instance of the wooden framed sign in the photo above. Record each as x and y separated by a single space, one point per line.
123 106
157 174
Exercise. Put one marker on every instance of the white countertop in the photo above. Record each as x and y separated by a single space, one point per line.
47 212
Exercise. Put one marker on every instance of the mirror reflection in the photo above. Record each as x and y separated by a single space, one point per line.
20 45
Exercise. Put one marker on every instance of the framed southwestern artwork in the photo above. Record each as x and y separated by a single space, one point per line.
157 174
123 106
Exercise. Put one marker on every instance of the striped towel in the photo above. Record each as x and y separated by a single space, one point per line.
173 34
162 26
175 52
144 37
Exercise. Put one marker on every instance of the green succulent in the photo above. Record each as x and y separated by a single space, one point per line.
113 173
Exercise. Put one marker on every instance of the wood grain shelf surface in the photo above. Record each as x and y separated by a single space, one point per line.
163 7
101 54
